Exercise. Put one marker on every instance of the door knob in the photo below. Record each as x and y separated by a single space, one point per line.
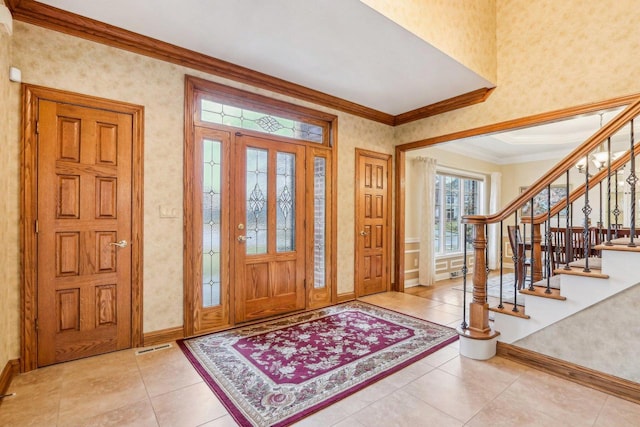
243 238
120 244
363 233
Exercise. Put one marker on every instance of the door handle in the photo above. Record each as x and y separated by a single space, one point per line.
363 233
244 238
120 244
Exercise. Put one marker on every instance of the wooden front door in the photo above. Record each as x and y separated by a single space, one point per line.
84 231
373 218
269 230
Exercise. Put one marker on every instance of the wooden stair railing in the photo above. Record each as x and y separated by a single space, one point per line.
478 326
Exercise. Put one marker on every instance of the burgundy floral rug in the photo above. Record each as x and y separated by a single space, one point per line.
277 372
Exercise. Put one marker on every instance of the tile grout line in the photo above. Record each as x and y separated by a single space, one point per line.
146 390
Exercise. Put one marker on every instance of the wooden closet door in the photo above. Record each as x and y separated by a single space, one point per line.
83 232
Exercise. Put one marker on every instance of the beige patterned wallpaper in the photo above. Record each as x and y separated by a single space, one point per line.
463 29
550 55
60 61
9 250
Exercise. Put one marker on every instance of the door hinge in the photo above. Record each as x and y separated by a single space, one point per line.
37 127
36 324
35 227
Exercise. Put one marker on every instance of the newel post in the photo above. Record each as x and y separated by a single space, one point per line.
478 307
478 340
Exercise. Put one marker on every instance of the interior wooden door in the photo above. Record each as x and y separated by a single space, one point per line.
373 217
84 222
269 235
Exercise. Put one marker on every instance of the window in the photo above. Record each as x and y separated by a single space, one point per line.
456 196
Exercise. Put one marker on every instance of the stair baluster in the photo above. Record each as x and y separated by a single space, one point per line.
532 257
568 256
516 259
632 179
500 305
616 210
586 210
608 242
548 240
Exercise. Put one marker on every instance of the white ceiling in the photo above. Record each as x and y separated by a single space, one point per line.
549 141
339 47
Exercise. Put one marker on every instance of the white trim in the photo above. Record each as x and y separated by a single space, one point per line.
461 173
455 255
442 276
412 251
412 240
415 270
411 283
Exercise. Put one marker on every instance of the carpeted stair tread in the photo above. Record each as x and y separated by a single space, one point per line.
595 263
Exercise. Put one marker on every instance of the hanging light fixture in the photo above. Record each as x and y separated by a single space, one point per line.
600 157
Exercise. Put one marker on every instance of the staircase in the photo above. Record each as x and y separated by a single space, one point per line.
577 291
578 286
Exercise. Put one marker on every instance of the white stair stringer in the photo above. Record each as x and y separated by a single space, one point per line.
581 292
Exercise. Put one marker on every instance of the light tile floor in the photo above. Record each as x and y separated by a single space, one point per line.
444 389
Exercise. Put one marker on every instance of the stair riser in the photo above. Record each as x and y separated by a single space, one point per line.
581 292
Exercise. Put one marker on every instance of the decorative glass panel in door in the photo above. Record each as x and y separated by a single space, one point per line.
208 233
270 259
318 269
211 207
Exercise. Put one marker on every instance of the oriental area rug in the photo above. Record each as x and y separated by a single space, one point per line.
277 372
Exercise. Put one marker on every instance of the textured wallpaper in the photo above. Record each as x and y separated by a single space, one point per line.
463 29
9 175
60 61
551 55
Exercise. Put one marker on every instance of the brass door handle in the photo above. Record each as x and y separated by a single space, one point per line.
363 233
120 244
243 238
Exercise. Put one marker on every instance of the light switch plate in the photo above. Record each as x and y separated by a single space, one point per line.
168 212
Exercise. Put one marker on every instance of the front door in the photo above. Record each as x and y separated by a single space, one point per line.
372 222
269 229
84 230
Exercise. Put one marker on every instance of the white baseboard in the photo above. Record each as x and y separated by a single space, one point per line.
442 276
411 283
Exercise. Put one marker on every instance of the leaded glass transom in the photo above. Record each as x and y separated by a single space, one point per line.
257 197
211 207
244 118
319 218
285 212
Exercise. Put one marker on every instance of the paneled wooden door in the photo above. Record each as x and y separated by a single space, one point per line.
84 231
373 218
268 224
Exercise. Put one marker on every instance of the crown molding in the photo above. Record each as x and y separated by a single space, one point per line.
46 16
460 101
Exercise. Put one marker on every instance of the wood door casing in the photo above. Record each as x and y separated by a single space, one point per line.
82 248
268 282
373 218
